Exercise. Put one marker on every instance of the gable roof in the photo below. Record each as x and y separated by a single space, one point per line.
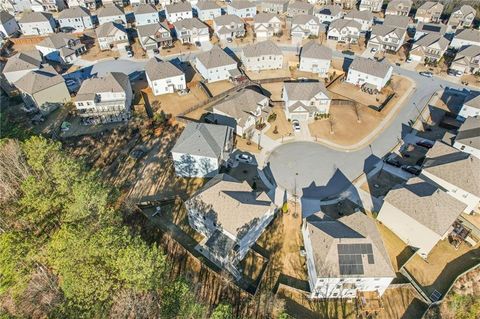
261 48
227 19
179 7
330 10
148 30
300 5
189 24
200 139
215 57
39 80
339 24
453 166
428 5
241 105
432 38
356 233
465 9
315 50
241 4
394 4
144 8
469 35
304 91
360 15
304 19
26 60
427 204
110 10
111 82
383 30
396 21
469 132
473 100
74 12
207 5
57 40
368 66
234 205
157 70
32 17
108 29
5 16
264 17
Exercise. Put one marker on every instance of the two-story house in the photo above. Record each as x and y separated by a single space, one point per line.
296 8
216 65
465 37
345 257
61 47
399 7
429 49
192 31
15 7
111 13
202 149
369 72
37 23
346 31
305 26
164 77
365 18
371 5
264 55
20 64
154 36
228 27
208 10
304 100
346 4
468 136
105 99
425 28
467 60
274 6
315 58
470 107
242 8
8 25
429 12
389 36
231 216
145 14
111 36
75 19
266 25
178 11
461 17
329 13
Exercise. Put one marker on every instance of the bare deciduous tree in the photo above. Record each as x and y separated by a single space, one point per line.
13 171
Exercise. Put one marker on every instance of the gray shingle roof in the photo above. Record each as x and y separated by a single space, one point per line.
360 15
264 17
179 7
39 80
57 40
157 70
432 38
26 60
32 17
427 5
189 24
107 29
261 48
326 234
303 91
74 12
469 133
469 35
304 19
207 5
227 19
394 4
375 68
315 50
330 10
241 4
455 167
144 8
466 9
241 105
339 24
5 16
383 30
110 82
200 139
300 5
473 100
396 21
427 204
214 58
110 10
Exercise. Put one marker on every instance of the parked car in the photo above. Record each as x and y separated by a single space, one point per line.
296 126
426 74
244 158
454 73
392 161
424 143
412 169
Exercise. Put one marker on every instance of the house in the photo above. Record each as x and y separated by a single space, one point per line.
389 36
20 64
243 111
43 89
47 5
120 3
305 26
192 31
164 77
296 8
37 23
274 6
178 11
266 25
228 26
242 9
264 55
216 65
468 137
61 47
8 25
345 257
111 13
139 2
146 14
201 149
371 5
465 37
15 6
89 4
329 13
154 36
231 216
111 35
345 4
315 58
75 19
429 12
425 28
429 49
365 18
304 100
467 60
347 31
399 7
105 99
456 172
420 213
208 10
461 17
369 73
471 106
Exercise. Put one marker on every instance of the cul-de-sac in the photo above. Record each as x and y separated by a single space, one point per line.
240 159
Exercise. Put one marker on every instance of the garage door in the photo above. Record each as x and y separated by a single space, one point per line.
300 116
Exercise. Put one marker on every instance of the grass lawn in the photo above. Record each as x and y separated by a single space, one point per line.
398 251
401 302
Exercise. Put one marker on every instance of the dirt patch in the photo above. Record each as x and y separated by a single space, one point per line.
471 79
398 251
219 87
280 127
401 302
243 145
275 90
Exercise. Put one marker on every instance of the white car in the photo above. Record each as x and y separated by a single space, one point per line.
296 126
244 158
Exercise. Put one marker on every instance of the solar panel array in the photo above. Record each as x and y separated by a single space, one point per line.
350 258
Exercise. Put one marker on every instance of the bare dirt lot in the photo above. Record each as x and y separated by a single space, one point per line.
280 125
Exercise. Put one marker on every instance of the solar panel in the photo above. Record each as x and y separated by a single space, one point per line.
350 258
